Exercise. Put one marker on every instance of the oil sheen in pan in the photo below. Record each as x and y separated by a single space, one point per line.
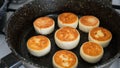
46 61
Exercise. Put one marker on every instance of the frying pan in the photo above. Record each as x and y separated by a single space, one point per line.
20 28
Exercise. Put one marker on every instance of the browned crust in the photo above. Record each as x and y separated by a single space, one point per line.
67 34
107 34
43 22
92 49
67 18
89 20
38 42
70 56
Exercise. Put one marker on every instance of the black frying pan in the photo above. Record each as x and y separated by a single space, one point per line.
20 28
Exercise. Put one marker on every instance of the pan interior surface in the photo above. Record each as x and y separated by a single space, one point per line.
20 29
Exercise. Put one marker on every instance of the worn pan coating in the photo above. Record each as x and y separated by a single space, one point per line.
20 28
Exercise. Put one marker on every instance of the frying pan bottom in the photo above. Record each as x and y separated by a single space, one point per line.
46 61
